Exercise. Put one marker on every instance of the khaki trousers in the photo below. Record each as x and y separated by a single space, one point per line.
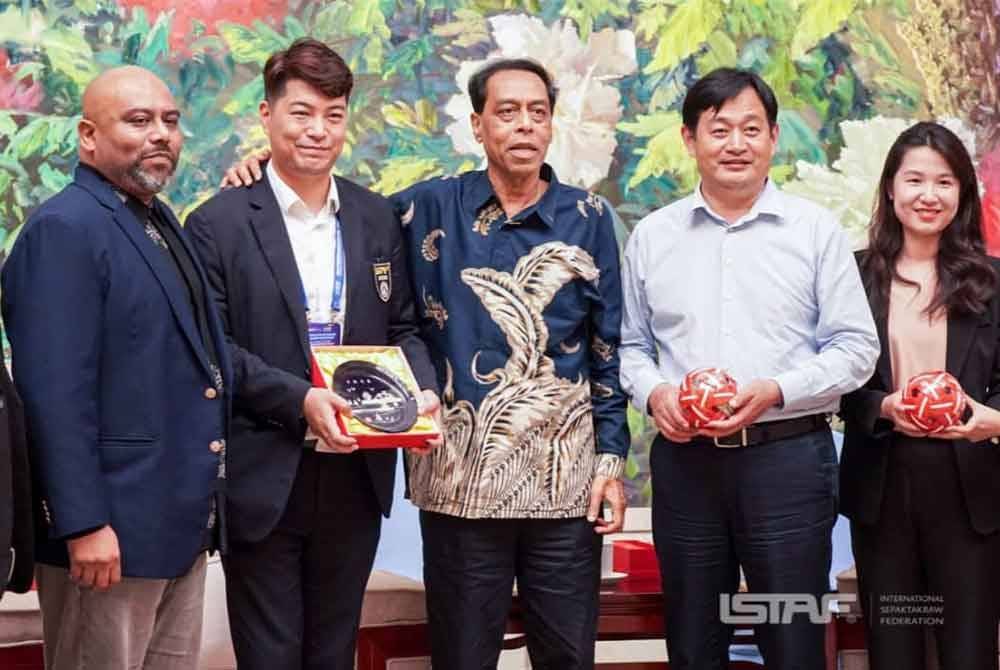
139 624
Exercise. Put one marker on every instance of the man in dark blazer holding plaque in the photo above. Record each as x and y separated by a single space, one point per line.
297 260
121 363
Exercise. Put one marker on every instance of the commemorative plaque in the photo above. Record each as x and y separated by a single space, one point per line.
379 399
380 387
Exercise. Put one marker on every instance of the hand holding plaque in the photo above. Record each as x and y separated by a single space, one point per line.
380 389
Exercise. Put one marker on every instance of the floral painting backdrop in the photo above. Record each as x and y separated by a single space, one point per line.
849 74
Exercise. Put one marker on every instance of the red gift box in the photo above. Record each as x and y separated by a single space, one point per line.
636 558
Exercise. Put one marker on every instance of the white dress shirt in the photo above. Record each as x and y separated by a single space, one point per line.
313 244
775 295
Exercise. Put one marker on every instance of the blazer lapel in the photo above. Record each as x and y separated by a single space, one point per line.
884 366
961 335
215 327
269 227
167 276
352 232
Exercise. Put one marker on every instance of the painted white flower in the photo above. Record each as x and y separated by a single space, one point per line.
848 187
588 107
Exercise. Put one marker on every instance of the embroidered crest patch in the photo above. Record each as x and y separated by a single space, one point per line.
383 280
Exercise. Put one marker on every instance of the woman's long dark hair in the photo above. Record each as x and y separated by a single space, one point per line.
966 278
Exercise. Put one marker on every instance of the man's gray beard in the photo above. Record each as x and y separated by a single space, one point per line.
148 182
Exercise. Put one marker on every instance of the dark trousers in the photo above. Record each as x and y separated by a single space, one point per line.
294 598
768 508
469 570
922 568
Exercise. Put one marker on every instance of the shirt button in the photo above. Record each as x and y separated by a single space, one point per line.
215 446
211 393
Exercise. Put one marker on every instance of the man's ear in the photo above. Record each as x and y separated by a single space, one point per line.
264 111
477 123
86 132
688 138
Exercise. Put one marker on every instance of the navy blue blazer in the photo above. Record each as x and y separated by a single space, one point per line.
115 381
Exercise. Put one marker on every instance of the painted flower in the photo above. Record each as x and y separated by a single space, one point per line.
208 12
589 106
20 94
848 187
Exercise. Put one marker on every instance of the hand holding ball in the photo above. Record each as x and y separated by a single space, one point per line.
705 394
934 401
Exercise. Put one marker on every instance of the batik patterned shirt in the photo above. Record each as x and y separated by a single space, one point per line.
522 318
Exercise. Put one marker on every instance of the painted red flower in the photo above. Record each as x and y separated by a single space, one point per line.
209 13
23 95
989 172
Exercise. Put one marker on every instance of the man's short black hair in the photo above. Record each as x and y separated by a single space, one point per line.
478 81
722 85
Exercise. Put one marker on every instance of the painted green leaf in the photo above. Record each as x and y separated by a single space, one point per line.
651 19
246 99
156 42
797 141
586 12
636 422
294 28
631 467
52 179
251 44
29 140
421 117
366 18
721 52
8 243
8 126
467 29
664 151
86 7
399 172
686 30
819 19
403 59
69 53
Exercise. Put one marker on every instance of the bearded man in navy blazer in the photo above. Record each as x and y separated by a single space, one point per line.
121 364
303 258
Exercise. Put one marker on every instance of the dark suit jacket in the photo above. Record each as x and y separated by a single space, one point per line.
973 357
113 373
16 528
241 237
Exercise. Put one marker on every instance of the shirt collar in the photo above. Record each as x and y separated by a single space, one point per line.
769 203
288 198
479 191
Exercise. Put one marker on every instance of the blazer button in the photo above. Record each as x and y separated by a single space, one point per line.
216 446
211 393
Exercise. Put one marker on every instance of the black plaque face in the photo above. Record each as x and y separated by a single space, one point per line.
378 398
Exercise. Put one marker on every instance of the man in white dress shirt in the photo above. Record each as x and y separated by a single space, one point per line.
741 276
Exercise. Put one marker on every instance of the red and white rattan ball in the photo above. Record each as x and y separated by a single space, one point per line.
934 401
705 394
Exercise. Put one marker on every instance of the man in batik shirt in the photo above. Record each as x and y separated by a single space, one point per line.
517 279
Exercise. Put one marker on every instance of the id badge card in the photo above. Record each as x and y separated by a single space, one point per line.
327 334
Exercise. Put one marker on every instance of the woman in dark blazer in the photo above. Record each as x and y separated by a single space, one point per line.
925 509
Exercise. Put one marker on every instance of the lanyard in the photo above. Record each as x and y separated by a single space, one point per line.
339 273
